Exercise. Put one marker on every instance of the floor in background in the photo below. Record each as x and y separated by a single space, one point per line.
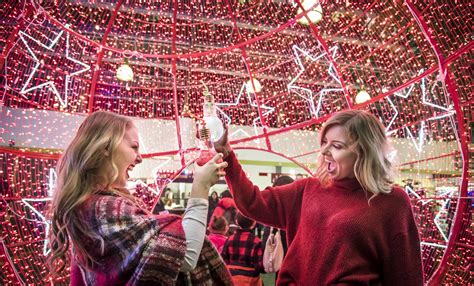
268 279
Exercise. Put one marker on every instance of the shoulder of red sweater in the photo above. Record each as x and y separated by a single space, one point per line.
311 181
396 199
398 192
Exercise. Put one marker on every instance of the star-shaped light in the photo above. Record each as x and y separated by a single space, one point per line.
418 143
409 190
25 89
86 67
405 93
448 111
43 219
307 93
252 103
443 210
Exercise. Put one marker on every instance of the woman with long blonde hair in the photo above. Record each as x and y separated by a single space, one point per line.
105 235
347 226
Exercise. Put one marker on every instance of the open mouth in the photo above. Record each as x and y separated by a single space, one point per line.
331 166
129 169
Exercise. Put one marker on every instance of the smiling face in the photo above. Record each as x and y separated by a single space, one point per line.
127 156
338 154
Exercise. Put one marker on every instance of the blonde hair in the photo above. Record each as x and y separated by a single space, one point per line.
372 168
85 168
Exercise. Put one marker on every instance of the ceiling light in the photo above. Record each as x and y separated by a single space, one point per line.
362 96
256 84
315 14
125 72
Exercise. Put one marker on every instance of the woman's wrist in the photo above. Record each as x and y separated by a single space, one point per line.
226 151
200 190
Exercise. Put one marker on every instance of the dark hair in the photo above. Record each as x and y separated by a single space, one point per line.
283 180
226 194
219 223
243 221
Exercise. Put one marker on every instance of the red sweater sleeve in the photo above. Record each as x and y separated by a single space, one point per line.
273 206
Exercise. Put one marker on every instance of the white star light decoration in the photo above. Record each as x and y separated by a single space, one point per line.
46 222
306 93
421 133
409 190
62 99
442 212
253 103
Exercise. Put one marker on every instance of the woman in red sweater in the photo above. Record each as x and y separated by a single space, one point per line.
347 226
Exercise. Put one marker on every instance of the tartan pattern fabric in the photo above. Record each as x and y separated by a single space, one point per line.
143 249
244 248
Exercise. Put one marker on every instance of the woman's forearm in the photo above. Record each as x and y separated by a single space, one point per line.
194 225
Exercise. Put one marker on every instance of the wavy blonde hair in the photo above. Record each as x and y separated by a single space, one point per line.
86 167
372 168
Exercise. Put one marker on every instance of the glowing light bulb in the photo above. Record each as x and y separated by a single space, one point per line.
212 122
125 72
315 15
362 96
249 87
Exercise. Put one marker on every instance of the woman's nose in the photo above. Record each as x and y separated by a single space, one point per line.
139 158
325 150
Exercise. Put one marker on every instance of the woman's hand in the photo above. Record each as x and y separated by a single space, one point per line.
207 175
222 145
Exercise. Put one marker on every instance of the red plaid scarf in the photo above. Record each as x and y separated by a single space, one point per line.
141 248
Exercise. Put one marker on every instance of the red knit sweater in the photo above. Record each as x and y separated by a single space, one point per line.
334 235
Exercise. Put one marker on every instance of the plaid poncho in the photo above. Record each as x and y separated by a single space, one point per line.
142 249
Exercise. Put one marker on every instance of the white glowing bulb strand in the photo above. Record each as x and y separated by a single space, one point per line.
421 137
252 103
443 210
213 123
409 190
68 76
43 219
315 13
433 244
52 181
50 84
125 73
305 93
401 94
62 100
448 110
421 133
362 96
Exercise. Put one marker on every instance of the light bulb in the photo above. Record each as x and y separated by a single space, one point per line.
315 15
125 72
362 96
206 148
212 122
249 87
